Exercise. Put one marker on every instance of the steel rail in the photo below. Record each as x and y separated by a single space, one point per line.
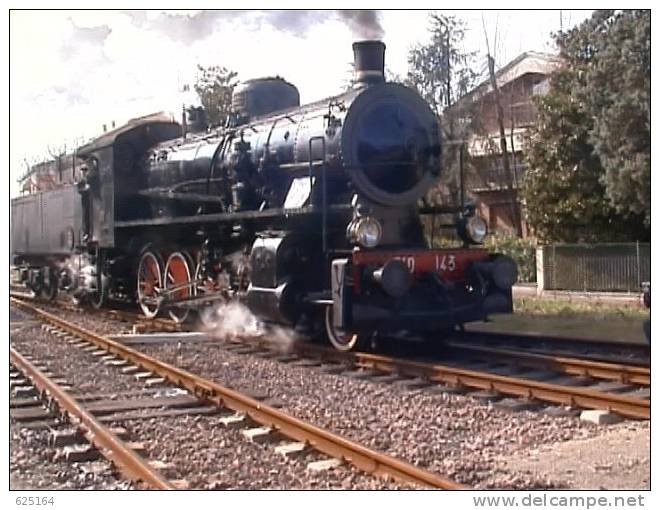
630 407
365 459
112 313
575 366
499 337
111 447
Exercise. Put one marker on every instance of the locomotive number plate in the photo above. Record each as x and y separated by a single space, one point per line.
450 264
443 262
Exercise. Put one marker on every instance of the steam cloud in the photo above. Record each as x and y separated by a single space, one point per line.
90 36
234 320
188 28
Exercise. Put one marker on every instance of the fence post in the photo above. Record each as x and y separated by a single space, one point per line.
540 282
639 269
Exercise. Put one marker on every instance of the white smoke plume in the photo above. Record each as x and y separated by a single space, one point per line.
363 23
234 320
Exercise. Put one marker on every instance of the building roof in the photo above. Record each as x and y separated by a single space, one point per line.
528 62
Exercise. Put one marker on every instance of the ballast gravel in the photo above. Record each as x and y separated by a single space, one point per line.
196 448
452 435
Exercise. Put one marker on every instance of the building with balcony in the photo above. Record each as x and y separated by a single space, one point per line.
519 81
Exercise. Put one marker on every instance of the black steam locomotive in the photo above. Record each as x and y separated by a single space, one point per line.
308 214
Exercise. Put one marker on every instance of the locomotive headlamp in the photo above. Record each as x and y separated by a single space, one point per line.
366 231
476 229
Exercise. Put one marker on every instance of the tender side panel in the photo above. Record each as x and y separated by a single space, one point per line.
47 223
26 223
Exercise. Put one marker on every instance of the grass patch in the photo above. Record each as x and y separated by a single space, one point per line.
562 308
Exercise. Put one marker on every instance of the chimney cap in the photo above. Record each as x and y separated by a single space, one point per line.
369 61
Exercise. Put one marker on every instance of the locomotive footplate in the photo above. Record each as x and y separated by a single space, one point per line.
420 290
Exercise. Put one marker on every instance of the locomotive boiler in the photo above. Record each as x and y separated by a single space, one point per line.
307 214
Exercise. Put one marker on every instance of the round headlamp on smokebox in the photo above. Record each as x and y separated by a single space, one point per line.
365 231
473 229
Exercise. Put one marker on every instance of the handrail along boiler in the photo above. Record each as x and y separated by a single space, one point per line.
308 214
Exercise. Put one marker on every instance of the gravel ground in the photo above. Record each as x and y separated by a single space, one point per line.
87 318
200 451
452 435
31 466
618 458
210 457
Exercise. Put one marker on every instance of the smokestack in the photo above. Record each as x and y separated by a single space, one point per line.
369 59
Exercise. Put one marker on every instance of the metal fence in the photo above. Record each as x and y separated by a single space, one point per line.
597 267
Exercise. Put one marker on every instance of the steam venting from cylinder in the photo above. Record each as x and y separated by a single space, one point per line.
369 62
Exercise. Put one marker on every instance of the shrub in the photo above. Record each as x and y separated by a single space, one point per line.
523 251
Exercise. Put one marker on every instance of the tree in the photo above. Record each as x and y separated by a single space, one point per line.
562 188
588 176
614 52
440 70
504 153
214 86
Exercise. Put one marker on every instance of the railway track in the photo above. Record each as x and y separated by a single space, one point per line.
454 374
609 352
583 348
567 347
274 420
620 372
131 464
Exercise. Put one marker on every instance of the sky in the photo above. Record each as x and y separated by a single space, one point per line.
71 72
